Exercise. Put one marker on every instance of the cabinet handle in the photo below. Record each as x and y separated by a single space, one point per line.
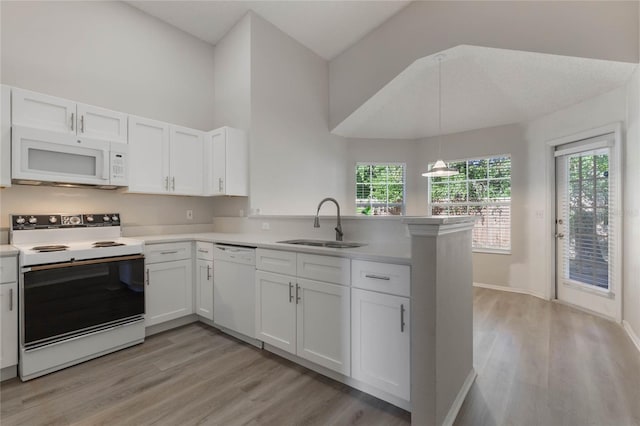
173 183
166 183
220 185
297 293
147 276
11 299
208 272
73 119
82 124
402 318
290 292
377 277
203 251
169 252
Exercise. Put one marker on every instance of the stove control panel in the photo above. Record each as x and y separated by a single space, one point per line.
55 221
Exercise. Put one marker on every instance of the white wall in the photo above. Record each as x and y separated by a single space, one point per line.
427 27
111 55
232 77
295 161
631 266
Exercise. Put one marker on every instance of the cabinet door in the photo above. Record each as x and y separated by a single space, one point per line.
102 123
381 341
148 156
169 291
276 310
323 324
5 137
187 161
204 288
9 324
32 109
218 162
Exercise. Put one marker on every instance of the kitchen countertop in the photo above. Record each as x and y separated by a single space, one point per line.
381 252
6 250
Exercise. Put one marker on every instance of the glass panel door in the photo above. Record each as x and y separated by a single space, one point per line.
585 227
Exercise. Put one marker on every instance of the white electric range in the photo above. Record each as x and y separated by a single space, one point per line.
81 289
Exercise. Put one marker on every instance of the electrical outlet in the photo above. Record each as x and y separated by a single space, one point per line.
189 214
266 226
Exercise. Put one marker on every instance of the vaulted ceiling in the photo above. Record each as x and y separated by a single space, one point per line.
481 87
326 27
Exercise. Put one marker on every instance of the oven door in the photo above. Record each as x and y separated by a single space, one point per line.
64 300
40 155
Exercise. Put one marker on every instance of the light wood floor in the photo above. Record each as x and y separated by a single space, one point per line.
538 363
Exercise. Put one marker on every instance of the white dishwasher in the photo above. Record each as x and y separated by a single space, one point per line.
234 294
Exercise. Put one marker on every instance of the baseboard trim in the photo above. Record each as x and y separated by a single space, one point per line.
457 403
632 335
509 289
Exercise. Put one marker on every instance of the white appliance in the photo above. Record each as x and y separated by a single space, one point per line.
234 294
81 289
44 156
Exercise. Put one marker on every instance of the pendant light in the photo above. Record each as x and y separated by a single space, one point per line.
440 169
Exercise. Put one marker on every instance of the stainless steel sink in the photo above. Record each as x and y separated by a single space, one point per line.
323 243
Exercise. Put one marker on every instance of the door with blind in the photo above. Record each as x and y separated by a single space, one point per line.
588 225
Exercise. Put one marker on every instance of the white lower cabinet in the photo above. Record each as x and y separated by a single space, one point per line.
9 324
381 345
169 291
307 318
204 279
323 332
204 288
276 310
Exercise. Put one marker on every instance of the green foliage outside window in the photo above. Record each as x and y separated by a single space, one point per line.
483 189
380 189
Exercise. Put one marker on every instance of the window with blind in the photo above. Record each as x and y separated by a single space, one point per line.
482 189
380 188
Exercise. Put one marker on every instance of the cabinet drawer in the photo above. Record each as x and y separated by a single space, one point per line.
382 277
155 253
324 268
280 262
8 269
204 251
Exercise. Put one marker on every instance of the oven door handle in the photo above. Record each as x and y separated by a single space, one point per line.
82 262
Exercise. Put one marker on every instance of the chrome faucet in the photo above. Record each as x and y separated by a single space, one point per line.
338 228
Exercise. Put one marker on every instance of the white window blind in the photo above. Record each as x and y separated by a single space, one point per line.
380 188
481 189
586 182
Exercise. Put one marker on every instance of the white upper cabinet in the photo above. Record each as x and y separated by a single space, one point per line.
186 161
148 156
31 109
5 138
164 159
100 123
227 162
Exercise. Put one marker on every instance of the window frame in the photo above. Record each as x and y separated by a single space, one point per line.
383 163
430 205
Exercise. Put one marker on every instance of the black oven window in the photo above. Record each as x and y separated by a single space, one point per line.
66 300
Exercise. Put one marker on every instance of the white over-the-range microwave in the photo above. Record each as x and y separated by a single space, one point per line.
42 156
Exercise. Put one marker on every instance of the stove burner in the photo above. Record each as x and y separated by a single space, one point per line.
100 244
46 249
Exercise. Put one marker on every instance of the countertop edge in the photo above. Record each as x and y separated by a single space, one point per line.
359 253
